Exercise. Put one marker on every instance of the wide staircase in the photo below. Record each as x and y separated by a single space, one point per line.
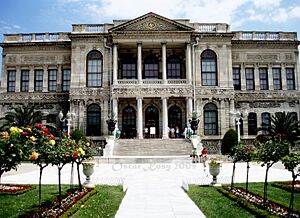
150 151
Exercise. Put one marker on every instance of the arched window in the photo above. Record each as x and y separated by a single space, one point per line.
175 117
151 67
265 121
129 122
94 69
209 68
252 124
129 68
210 119
173 68
93 120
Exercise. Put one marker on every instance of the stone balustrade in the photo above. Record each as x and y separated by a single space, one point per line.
282 36
88 28
36 37
211 27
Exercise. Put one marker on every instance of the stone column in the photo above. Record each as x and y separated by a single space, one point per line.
140 117
165 117
164 62
231 119
256 77
31 78
222 120
45 79
188 64
115 110
59 78
115 63
243 77
18 79
189 107
139 62
283 77
270 77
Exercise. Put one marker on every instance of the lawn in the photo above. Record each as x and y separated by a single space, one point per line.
214 204
104 204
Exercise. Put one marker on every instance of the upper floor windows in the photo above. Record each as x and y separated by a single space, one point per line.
277 78
129 68
209 68
151 67
250 79
94 69
236 75
11 81
173 68
290 79
66 80
38 80
52 76
24 80
263 78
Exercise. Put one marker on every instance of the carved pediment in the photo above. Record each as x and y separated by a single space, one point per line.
151 22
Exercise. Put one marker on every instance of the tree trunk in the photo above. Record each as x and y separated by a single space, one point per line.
59 184
247 178
291 207
1 172
72 175
78 173
266 185
232 178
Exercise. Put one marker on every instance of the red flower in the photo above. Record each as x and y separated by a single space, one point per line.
40 126
52 137
65 155
46 131
25 133
71 145
75 154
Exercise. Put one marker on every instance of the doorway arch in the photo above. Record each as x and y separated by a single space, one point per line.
129 122
151 120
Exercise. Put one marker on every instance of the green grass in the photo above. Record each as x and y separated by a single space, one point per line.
213 204
104 204
275 194
16 205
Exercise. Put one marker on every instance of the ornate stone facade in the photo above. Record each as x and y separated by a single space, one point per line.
153 72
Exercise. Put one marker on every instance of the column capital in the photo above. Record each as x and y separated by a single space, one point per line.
139 42
139 98
164 43
165 98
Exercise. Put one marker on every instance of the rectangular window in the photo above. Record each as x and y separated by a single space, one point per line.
277 78
11 81
66 80
209 72
252 124
24 80
52 74
290 79
38 80
236 75
249 78
263 79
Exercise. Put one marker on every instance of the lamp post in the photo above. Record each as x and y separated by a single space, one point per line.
67 118
237 115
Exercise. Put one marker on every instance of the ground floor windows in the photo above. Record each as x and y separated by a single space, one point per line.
252 124
93 120
210 120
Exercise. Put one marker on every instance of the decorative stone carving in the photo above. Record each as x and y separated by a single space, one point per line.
33 97
235 56
262 57
264 104
267 95
38 59
288 57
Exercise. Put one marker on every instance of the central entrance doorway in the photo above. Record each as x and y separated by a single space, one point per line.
129 123
151 122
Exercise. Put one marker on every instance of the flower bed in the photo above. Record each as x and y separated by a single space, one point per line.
70 203
287 185
12 189
255 203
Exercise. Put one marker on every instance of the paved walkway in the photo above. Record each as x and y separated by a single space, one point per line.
153 190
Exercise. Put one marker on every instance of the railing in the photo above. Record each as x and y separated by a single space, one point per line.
94 28
36 37
88 28
207 28
127 81
283 36
152 81
176 81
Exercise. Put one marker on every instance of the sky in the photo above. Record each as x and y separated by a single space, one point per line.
38 16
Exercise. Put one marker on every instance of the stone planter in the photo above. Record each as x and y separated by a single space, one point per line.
214 170
88 170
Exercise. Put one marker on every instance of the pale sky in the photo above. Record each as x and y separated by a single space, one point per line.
27 16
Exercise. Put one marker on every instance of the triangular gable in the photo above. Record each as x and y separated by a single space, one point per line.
151 22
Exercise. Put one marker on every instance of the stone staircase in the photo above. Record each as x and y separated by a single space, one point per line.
152 147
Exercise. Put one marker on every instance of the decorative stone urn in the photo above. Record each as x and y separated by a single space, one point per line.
111 125
194 122
214 170
88 170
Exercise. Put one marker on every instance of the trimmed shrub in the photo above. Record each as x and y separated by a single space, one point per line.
230 140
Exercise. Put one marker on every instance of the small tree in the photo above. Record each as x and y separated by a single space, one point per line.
291 163
236 154
269 153
247 155
230 140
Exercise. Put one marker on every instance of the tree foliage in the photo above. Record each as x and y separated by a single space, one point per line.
230 140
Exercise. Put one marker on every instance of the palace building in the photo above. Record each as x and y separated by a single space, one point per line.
153 71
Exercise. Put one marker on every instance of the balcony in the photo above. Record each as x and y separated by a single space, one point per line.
151 81
211 27
36 37
89 28
266 36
